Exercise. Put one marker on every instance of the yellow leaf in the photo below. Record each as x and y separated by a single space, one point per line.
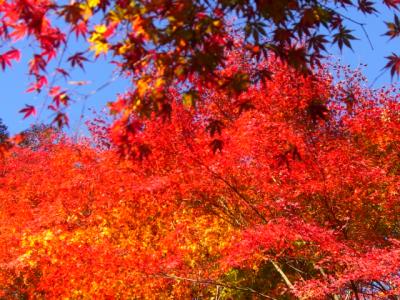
217 23
48 235
141 87
159 82
99 48
98 43
123 49
93 3
101 28
86 11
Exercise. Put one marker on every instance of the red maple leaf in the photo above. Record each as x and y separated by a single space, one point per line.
28 110
7 57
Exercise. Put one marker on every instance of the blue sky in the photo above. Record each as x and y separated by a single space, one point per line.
14 81
363 53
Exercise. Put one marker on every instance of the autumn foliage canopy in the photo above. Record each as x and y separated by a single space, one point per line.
236 167
289 190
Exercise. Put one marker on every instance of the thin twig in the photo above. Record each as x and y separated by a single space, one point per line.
367 35
283 275
237 192
377 77
54 77
362 25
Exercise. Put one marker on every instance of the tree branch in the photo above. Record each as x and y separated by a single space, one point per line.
283 275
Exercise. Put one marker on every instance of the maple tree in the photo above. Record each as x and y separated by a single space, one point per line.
162 43
235 167
289 190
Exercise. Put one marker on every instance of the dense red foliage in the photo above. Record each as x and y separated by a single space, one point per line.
296 197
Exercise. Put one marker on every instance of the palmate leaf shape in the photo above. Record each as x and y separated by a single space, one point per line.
77 60
366 6
343 37
394 28
28 111
61 119
7 57
392 3
393 64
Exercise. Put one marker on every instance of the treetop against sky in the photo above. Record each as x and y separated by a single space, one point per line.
157 44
